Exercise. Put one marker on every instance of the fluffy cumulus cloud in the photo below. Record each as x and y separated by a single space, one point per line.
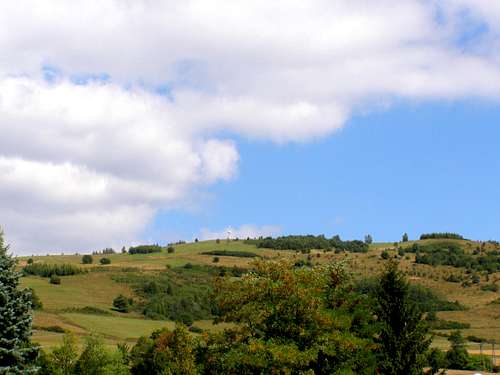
111 110
244 231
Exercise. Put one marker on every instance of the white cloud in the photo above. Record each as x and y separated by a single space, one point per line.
88 154
244 231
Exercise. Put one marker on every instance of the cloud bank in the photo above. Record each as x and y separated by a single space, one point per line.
112 110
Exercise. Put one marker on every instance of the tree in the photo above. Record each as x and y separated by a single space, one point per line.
405 237
457 357
403 335
436 360
368 239
87 259
121 303
65 356
124 251
289 320
166 352
93 359
16 352
105 261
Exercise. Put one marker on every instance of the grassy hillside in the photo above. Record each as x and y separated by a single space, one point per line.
63 304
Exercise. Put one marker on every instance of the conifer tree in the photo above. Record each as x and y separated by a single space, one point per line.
403 335
16 352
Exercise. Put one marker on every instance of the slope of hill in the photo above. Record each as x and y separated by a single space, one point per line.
84 303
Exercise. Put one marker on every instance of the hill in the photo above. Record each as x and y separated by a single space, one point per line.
165 285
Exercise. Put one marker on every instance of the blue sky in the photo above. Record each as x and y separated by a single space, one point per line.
416 167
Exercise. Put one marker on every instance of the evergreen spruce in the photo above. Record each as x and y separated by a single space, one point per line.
16 352
403 335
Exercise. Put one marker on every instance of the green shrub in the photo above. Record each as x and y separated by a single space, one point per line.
215 259
490 288
170 249
121 304
46 270
54 279
105 261
385 255
144 249
87 259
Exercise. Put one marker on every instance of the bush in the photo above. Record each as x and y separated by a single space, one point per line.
385 255
490 288
188 266
144 249
54 279
29 261
215 259
46 270
121 304
105 261
87 259
170 249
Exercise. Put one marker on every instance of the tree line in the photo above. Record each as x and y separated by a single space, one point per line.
309 242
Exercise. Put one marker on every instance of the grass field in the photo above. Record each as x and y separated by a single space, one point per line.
97 289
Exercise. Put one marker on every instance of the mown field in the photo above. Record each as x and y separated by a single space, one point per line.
64 305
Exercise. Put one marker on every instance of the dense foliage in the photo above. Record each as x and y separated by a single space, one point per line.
47 270
309 242
424 298
442 235
144 249
16 352
179 294
452 254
